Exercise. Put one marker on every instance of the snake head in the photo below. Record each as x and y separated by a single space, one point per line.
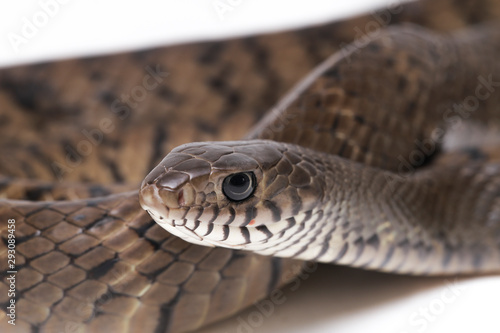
236 194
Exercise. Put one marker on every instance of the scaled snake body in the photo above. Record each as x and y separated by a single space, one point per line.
384 157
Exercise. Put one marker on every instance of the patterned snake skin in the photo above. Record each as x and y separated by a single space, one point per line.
78 135
312 202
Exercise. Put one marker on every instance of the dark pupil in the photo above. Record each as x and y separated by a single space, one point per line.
240 181
239 186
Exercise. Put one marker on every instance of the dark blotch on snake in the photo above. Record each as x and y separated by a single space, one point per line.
102 269
246 235
474 153
225 231
342 252
250 214
263 229
373 241
388 257
275 210
232 215
360 246
210 229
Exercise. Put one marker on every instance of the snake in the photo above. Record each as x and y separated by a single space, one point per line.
383 155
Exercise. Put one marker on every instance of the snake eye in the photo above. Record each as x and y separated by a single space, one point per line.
239 186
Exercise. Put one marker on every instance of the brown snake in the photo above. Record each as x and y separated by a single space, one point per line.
101 264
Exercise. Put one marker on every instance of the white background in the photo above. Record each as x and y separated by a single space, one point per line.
330 299
96 27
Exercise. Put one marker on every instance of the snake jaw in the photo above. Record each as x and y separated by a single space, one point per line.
161 205
259 238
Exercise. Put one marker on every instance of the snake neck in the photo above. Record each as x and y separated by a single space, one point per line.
416 223
400 218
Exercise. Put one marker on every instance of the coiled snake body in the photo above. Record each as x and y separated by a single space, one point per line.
384 157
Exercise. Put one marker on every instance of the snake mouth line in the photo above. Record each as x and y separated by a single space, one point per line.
209 234
278 238
275 239
204 233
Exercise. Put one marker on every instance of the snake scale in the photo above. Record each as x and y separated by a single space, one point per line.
368 164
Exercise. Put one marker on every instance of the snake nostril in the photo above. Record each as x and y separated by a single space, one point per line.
180 198
184 196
